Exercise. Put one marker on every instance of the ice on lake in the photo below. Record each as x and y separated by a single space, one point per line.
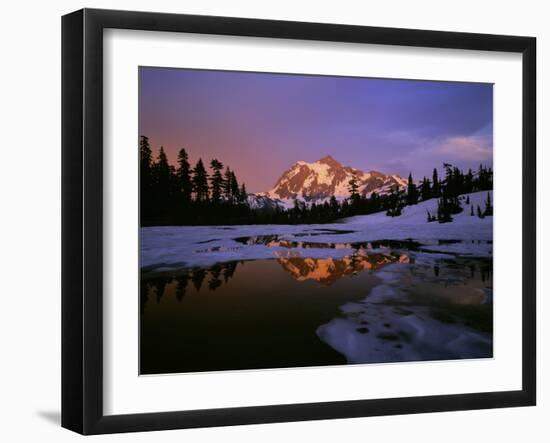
369 289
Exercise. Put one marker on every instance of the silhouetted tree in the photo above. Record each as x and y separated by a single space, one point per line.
145 178
443 211
159 284
425 189
227 183
412 192
181 286
436 186
334 206
353 188
216 180
197 278
162 189
393 203
469 182
184 177
215 281
345 208
143 295
190 196
234 187
200 182
243 195
229 270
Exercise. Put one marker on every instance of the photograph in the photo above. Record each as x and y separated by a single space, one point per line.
290 220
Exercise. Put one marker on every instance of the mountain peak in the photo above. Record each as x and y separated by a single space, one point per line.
327 177
329 160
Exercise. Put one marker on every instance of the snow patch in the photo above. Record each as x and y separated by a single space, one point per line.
179 246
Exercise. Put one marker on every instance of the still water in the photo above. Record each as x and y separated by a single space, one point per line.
291 311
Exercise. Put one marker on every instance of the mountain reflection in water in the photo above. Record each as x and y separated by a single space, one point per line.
328 270
323 270
382 305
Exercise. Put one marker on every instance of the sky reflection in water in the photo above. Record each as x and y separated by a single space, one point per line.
292 311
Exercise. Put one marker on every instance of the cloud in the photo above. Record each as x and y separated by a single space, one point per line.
418 153
474 147
468 148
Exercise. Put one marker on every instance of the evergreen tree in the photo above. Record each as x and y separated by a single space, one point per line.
345 208
394 204
297 211
327 212
353 188
175 192
190 196
458 177
184 176
162 184
313 213
469 182
162 170
480 178
444 211
234 184
484 179
436 186
425 189
334 206
412 192
227 183
450 191
243 194
200 182
197 277
215 280
145 156
145 178
181 286
216 181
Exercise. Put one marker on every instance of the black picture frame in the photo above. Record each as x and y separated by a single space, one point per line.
82 219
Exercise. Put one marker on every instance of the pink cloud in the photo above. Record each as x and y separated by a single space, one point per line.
466 147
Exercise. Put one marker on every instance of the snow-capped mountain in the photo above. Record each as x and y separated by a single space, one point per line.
327 177
262 201
328 270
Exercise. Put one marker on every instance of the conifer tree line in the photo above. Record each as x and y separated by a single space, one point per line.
210 194
447 190
187 194
153 288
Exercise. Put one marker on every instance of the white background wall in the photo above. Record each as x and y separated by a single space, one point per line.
30 229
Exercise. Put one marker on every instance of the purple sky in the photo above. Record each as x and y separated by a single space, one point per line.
260 124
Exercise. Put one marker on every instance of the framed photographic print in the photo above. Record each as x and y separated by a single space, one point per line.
270 221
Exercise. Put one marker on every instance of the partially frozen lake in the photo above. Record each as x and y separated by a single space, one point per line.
371 289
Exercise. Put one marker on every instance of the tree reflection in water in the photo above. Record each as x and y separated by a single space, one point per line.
323 270
224 316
